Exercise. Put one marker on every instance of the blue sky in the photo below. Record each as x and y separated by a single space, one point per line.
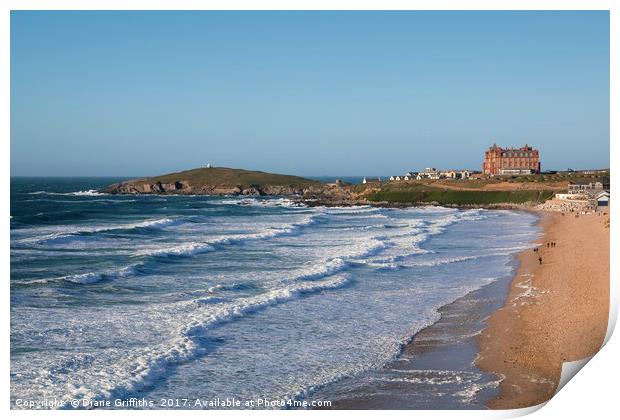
307 93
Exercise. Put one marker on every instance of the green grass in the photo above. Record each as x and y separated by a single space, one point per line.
557 177
232 177
451 197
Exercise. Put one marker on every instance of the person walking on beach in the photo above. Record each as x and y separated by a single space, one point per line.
539 260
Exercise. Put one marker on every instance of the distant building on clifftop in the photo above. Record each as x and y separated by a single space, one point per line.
511 161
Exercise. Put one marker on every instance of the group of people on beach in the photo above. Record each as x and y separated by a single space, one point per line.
549 245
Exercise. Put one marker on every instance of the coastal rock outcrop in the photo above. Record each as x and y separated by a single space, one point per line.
228 181
314 192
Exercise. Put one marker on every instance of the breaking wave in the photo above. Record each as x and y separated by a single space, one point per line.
139 371
69 233
74 193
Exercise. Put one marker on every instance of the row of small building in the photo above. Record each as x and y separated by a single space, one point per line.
592 194
427 173
432 173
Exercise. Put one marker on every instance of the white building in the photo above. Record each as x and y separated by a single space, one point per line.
602 199
428 173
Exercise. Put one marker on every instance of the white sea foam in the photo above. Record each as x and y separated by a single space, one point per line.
87 193
185 249
134 372
63 234
468 395
84 278
87 278
75 193
262 202
350 210
317 271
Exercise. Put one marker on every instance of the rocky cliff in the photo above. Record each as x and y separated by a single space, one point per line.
144 186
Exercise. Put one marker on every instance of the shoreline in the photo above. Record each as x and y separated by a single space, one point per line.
436 369
517 329
555 312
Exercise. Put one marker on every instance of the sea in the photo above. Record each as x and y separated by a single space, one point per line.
168 298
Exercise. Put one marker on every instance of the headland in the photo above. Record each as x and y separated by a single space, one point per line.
514 192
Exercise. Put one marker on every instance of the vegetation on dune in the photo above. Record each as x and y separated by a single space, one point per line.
231 177
454 197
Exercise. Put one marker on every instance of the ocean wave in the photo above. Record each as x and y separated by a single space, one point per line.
317 270
226 287
176 250
70 233
442 261
352 210
74 193
262 202
140 370
193 248
430 376
87 193
89 278
321 270
82 278
186 249
394 264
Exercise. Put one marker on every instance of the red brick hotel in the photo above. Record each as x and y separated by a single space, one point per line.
510 161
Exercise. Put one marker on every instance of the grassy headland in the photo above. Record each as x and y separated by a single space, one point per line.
231 177
217 181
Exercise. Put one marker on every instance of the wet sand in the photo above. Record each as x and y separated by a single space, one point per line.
555 312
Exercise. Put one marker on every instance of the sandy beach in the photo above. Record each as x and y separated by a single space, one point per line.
555 312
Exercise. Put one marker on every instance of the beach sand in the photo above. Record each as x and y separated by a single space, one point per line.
555 312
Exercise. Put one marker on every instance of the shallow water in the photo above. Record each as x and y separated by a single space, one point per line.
220 297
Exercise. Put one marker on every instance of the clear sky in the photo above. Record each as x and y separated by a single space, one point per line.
306 93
